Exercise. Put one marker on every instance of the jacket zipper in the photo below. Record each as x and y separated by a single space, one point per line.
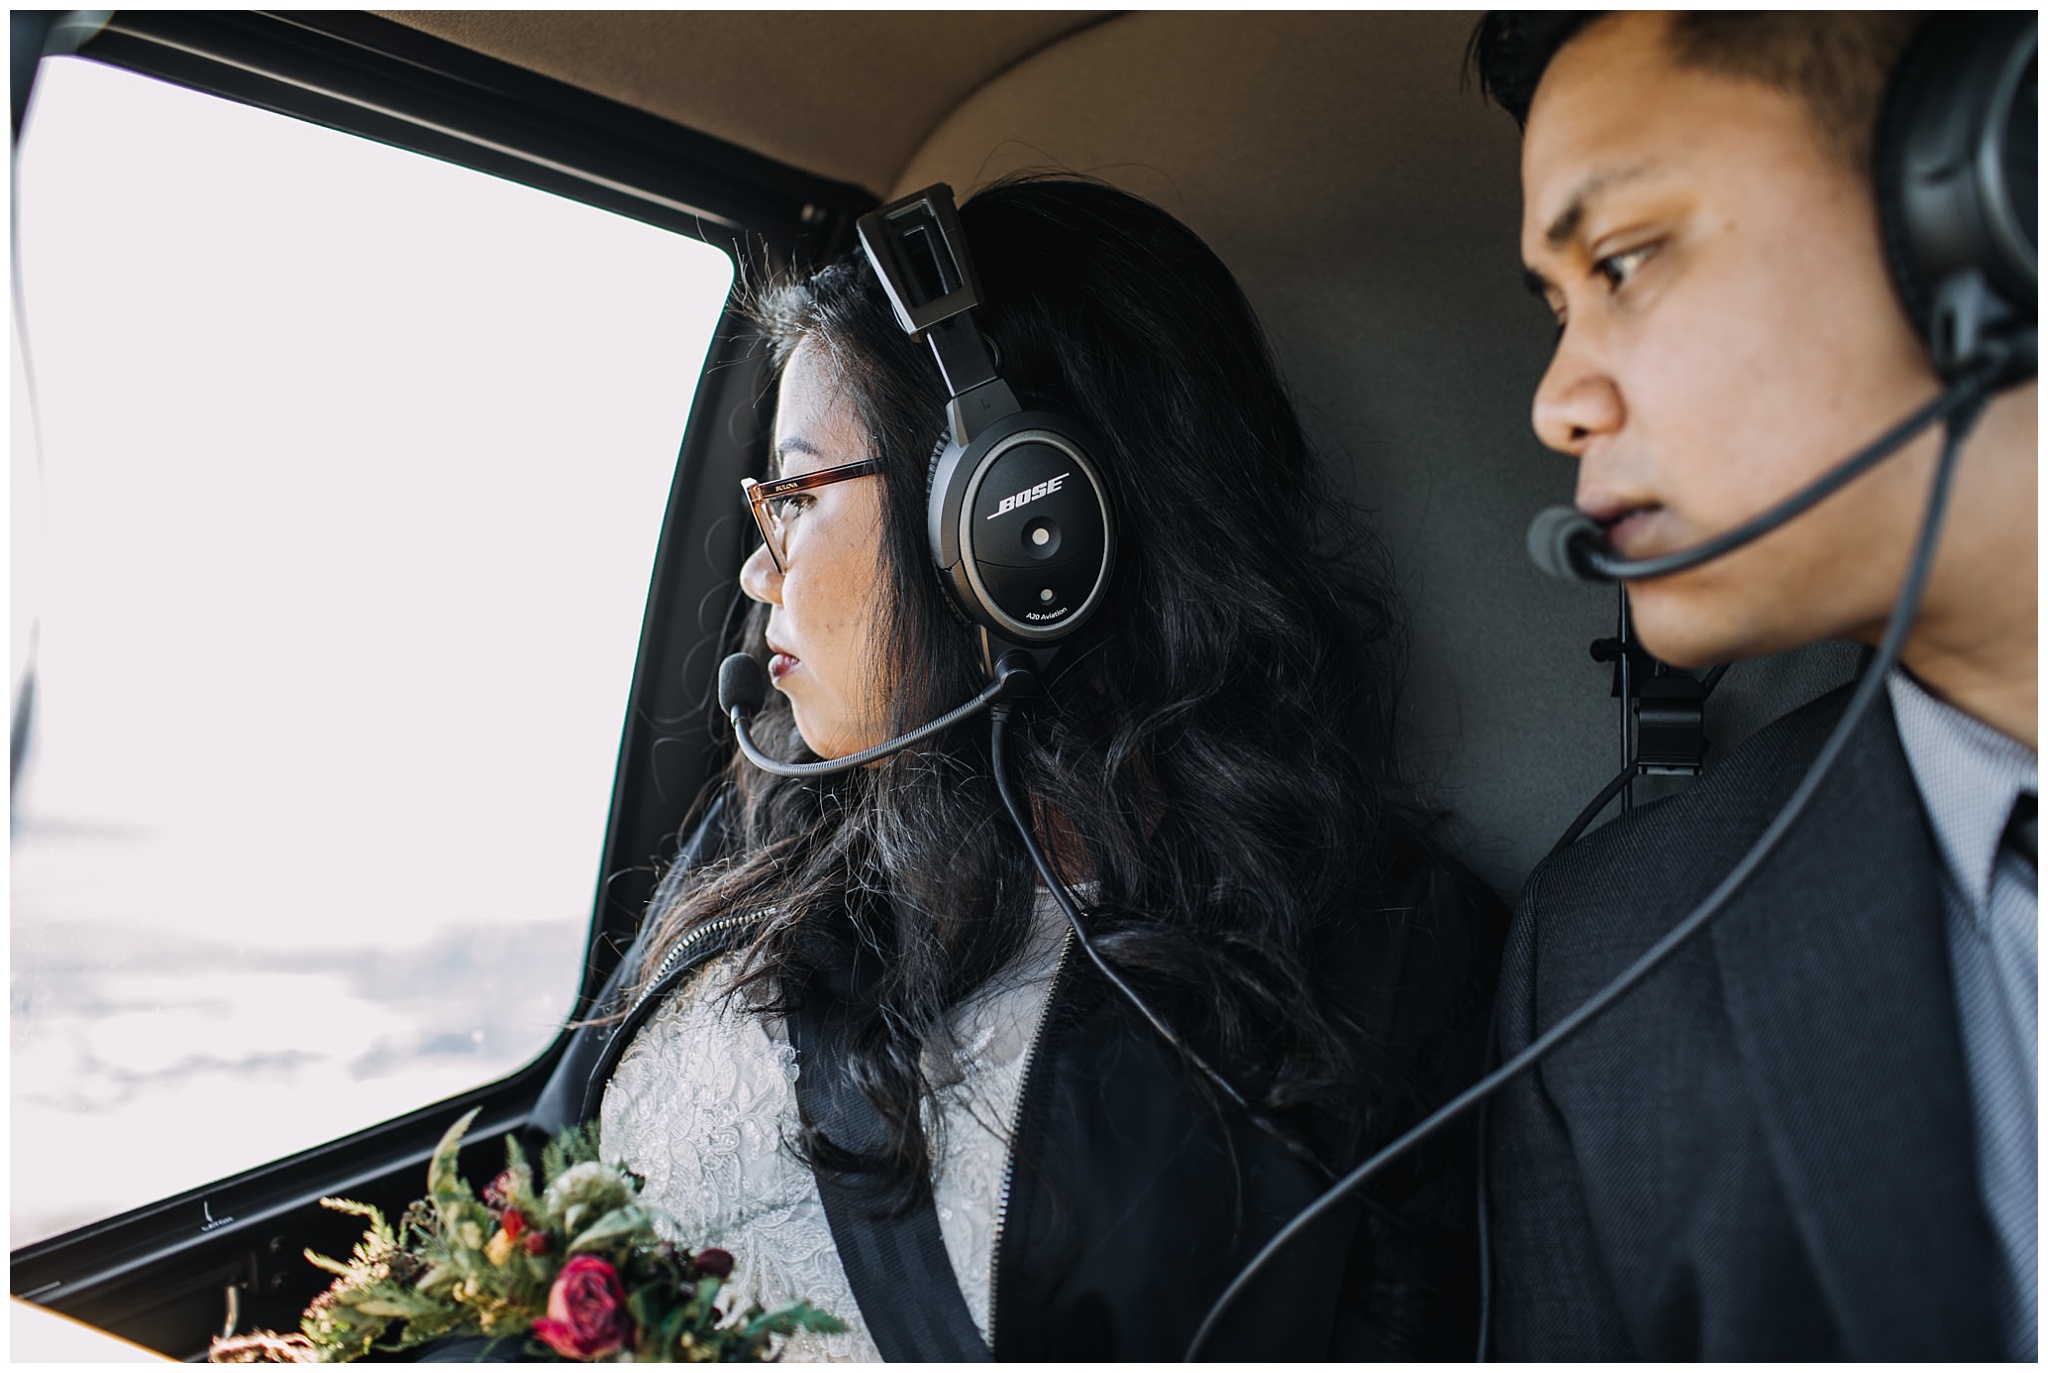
672 967
703 931
995 1253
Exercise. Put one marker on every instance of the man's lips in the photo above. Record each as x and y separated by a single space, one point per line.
1626 523
1629 530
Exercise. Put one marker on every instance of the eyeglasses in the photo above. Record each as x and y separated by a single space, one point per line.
775 504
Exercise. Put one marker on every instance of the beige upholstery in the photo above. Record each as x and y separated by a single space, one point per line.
1368 205
846 94
1368 202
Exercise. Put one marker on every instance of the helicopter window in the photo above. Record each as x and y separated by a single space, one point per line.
338 477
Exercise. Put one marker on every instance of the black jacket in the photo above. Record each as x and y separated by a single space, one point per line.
1133 1201
1765 1151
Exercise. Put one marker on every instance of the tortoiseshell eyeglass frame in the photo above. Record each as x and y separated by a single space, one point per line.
761 498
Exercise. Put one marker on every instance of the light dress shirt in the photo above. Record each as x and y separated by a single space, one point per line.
1969 776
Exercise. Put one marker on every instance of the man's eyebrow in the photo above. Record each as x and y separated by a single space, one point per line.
1573 215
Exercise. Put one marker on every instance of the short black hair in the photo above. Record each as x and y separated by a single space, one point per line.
1836 62
1511 49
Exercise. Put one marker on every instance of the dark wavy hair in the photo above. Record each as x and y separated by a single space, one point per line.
1215 741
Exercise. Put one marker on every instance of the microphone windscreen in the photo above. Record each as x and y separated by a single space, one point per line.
742 685
1551 535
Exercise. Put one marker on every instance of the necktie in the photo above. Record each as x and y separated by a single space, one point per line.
2020 830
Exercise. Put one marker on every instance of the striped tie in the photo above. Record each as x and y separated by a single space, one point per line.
2020 829
2009 1110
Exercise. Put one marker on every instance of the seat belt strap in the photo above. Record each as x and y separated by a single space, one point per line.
896 1264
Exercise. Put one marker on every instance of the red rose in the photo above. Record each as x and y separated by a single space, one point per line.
587 1316
514 1222
714 1263
536 1242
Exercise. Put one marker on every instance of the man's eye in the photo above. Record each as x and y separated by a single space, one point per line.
1620 268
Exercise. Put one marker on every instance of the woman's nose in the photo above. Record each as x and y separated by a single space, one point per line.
759 579
1576 403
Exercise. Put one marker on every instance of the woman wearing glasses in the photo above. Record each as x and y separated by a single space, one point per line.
1209 772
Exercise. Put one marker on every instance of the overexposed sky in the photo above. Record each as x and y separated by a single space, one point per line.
335 549
354 463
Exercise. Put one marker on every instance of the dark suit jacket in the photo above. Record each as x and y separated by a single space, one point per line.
1765 1150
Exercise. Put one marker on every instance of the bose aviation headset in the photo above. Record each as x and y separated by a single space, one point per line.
1020 521
1957 164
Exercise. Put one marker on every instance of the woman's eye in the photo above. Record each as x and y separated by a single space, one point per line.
1619 268
789 507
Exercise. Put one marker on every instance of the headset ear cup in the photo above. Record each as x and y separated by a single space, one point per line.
1894 126
1954 178
1039 574
931 494
931 468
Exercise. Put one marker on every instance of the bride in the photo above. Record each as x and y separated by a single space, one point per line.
1207 772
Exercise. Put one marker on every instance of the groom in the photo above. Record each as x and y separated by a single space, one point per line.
1812 1133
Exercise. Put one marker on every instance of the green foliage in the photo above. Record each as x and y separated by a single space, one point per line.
457 1264
573 1146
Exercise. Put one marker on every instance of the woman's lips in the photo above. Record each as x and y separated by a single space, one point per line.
781 664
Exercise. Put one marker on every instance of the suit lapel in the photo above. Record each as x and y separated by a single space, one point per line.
1835 970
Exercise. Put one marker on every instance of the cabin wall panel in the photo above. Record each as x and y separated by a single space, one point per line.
1368 205
1367 199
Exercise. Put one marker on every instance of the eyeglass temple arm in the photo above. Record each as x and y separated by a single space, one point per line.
760 492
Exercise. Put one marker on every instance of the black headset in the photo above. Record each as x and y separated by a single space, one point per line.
1957 167
1021 524
1958 163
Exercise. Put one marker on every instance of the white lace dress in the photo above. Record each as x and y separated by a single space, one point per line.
704 1098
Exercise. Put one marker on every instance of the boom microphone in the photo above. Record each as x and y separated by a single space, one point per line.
743 686
1568 544
1559 540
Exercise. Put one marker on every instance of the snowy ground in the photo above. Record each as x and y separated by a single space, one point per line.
146 1062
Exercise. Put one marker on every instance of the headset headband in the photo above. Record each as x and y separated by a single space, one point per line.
1020 522
921 257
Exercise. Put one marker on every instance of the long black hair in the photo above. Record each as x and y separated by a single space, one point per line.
1215 742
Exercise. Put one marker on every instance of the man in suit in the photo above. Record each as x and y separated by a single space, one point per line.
1812 1132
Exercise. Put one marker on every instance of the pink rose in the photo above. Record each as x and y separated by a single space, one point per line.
587 1316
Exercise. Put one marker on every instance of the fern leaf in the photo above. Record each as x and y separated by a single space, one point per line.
445 1184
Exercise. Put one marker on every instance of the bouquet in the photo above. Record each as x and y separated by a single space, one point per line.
572 1268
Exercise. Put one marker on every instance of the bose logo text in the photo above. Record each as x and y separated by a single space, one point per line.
1030 494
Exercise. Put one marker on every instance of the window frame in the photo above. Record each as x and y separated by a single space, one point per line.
158 1272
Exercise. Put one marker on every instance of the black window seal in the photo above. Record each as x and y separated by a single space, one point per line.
378 79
